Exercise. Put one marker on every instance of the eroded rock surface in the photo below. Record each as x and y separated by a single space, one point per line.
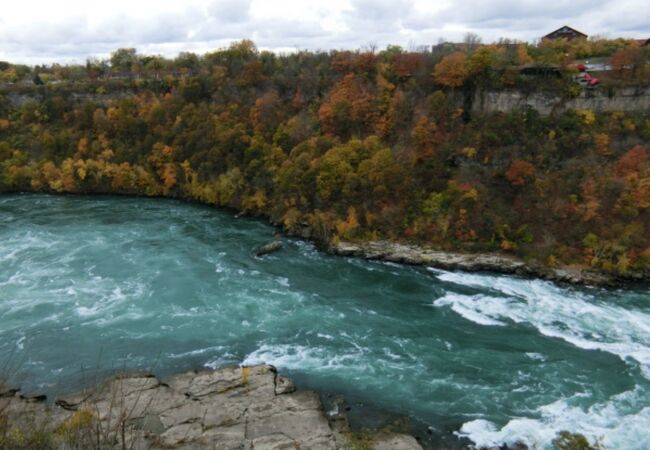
472 262
231 408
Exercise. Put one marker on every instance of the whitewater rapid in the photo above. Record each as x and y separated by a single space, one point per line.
580 319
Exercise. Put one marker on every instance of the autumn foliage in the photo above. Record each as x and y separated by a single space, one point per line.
452 70
519 172
348 107
632 161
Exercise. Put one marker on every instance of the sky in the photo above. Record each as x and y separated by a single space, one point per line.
46 31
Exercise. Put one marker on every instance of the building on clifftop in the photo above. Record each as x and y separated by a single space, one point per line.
565 32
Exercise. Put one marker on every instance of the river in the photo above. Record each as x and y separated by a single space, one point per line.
90 285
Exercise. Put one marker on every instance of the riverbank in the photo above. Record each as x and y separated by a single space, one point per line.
478 262
228 408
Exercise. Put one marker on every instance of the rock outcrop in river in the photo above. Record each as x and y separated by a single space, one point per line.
230 408
268 248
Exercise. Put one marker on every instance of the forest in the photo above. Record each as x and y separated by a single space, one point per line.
352 145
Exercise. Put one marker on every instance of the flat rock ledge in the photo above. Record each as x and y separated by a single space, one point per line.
226 409
475 262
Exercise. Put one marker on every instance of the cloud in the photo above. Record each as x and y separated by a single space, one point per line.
230 11
530 19
44 32
480 12
380 12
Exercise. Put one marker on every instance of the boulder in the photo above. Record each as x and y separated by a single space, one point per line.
394 441
271 247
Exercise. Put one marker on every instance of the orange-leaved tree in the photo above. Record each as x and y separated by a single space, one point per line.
519 171
452 70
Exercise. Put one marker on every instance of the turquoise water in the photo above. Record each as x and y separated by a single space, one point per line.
93 284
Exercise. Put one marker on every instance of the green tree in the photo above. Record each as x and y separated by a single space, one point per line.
124 59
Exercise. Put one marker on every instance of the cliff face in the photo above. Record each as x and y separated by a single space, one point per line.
18 99
600 99
631 99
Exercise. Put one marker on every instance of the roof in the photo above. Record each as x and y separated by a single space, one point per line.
540 70
643 42
565 32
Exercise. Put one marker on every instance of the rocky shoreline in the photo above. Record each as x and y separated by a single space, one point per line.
234 408
477 262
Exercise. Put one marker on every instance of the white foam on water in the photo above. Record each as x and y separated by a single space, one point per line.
224 360
70 291
219 266
301 357
83 311
99 297
390 354
117 294
573 316
472 308
619 423
8 256
196 352
307 249
391 264
536 356
15 279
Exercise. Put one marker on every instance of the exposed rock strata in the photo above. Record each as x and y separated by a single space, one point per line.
230 408
601 99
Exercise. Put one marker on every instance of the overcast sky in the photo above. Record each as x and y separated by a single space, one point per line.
46 31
